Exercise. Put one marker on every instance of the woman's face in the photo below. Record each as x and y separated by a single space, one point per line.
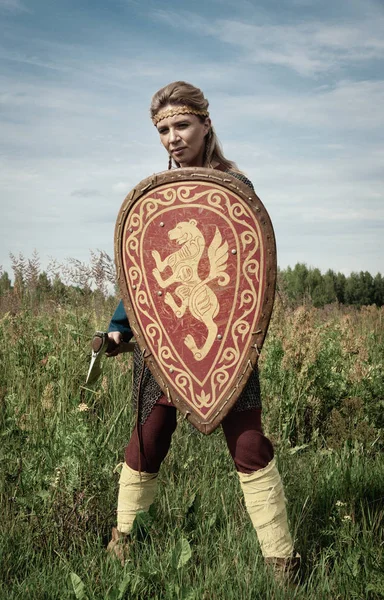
183 137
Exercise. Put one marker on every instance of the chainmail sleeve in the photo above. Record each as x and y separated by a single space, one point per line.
242 178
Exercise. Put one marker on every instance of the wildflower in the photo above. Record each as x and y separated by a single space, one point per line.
57 477
83 407
347 518
339 503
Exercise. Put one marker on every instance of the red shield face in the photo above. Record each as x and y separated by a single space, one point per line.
196 259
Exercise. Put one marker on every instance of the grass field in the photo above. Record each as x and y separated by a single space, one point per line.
323 389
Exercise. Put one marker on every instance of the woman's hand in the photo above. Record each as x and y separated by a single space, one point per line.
116 345
114 341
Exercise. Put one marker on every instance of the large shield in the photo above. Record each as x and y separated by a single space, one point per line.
196 261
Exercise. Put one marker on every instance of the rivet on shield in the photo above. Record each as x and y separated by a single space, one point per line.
134 287
219 337
171 370
234 251
159 293
161 224
131 229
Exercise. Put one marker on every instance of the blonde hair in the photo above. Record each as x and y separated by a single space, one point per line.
180 93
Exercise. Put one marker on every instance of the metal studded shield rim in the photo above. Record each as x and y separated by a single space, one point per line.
256 205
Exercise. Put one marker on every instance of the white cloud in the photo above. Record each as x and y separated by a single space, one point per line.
86 193
13 6
348 105
45 95
308 48
121 187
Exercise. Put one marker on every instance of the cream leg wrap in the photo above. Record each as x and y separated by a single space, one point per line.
136 493
265 502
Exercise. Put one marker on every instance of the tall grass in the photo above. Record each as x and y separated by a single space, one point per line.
323 388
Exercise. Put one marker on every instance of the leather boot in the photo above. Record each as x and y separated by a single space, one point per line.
118 547
285 570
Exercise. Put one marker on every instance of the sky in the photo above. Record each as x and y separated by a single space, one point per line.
296 92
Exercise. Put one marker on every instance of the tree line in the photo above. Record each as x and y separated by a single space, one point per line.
74 280
302 284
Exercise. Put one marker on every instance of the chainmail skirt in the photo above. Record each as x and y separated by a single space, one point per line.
150 390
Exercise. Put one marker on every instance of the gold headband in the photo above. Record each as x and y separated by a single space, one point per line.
178 110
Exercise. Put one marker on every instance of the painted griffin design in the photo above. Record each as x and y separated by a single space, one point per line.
194 293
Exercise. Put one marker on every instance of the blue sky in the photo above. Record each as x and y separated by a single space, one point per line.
296 91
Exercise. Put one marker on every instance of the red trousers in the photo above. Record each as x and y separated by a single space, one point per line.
249 447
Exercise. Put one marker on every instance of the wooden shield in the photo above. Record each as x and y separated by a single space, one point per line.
196 262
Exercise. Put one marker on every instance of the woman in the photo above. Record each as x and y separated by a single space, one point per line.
179 111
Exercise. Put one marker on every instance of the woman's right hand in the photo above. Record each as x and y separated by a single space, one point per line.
116 345
115 339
